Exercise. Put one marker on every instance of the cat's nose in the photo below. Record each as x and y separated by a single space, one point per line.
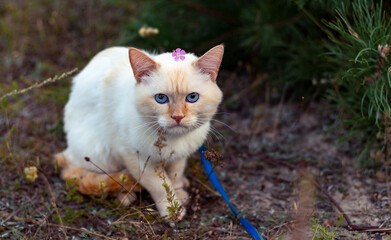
177 118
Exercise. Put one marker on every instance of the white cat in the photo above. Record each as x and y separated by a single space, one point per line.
120 104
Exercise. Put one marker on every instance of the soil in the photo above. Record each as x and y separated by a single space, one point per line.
264 191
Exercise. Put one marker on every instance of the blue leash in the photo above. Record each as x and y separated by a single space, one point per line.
216 183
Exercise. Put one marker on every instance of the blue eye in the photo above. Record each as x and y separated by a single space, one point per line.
192 97
161 98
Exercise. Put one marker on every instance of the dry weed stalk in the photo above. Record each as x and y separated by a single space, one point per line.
175 209
304 209
39 84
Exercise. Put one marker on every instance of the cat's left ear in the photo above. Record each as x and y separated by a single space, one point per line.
209 63
142 64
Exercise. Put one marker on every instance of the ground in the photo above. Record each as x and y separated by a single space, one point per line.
256 136
263 190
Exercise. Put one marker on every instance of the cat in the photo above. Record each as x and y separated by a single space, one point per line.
138 116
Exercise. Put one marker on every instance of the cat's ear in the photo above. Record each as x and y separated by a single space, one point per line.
142 64
209 63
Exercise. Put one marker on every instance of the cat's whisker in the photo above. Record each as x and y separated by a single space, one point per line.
148 138
146 117
222 113
222 123
213 131
142 127
151 134
148 124
153 131
218 121
217 134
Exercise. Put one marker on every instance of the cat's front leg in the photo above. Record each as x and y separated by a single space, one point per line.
175 170
154 178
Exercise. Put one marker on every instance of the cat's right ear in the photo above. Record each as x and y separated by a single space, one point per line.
142 64
209 63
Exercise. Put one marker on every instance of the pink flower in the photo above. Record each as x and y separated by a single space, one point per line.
179 54
383 50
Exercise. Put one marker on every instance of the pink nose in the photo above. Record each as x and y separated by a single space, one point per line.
177 118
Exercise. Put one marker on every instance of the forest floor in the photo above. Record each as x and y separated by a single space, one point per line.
255 144
270 147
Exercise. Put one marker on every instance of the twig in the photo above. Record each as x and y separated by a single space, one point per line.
119 220
350 226
149 224
246 90
37 85
54 202
206 186
11 215
87 159
279 227
312 18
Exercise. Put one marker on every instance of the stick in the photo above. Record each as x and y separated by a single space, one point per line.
350 226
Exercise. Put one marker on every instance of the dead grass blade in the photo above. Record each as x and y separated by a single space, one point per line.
55 225
38 85
53 202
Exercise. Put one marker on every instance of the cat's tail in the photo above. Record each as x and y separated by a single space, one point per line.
120 184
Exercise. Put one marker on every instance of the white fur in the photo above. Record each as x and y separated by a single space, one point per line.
102 120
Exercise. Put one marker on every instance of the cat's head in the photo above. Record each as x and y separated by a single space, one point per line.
177 96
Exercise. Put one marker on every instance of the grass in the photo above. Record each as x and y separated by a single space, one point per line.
323 232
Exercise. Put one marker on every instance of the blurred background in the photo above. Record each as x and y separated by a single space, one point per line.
297 49
291 68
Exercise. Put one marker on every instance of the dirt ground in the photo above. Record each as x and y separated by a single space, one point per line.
265 191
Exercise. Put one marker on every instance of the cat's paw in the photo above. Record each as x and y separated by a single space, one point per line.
166 211
126 198
179 216
185 182
182 196
181 183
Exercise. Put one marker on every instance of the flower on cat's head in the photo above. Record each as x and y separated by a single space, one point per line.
30 173
178 54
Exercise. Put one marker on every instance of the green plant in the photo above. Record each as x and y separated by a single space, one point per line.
321 232
70 216
362 82
281 38
174 208
71 187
